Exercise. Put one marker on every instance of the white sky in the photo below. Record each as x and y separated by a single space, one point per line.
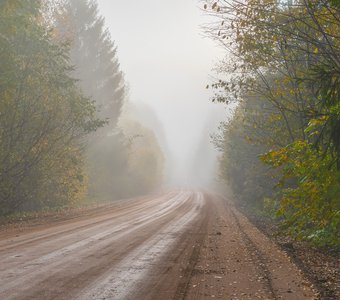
167 63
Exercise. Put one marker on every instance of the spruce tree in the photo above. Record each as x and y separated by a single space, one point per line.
94 56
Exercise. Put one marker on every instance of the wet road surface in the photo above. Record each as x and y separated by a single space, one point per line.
173 245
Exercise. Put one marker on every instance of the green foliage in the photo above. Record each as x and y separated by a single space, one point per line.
43 115
285 59
60 81
310 206
114 170
93 55
240 167
270 207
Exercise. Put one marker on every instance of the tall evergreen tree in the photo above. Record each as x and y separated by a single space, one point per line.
116 168
96 66
94 56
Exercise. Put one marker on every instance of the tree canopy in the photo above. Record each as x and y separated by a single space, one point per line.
283 66
60 82
44 116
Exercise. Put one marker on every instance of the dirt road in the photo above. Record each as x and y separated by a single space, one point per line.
174 245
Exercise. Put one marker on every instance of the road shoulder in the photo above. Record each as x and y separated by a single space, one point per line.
237 261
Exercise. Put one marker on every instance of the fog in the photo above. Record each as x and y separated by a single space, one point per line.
104 100
167 64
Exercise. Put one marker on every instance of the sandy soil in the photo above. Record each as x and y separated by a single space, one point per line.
174 245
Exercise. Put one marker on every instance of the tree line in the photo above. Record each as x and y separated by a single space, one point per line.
280 153
63 134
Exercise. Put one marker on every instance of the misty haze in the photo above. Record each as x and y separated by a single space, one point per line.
184 149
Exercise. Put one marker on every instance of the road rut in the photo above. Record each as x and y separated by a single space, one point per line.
174 245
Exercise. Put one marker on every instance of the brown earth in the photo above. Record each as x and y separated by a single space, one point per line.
174 245
321 265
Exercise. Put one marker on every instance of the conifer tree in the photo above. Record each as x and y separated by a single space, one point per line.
94 57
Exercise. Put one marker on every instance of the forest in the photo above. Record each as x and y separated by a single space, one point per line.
183 149
68 134
280 152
